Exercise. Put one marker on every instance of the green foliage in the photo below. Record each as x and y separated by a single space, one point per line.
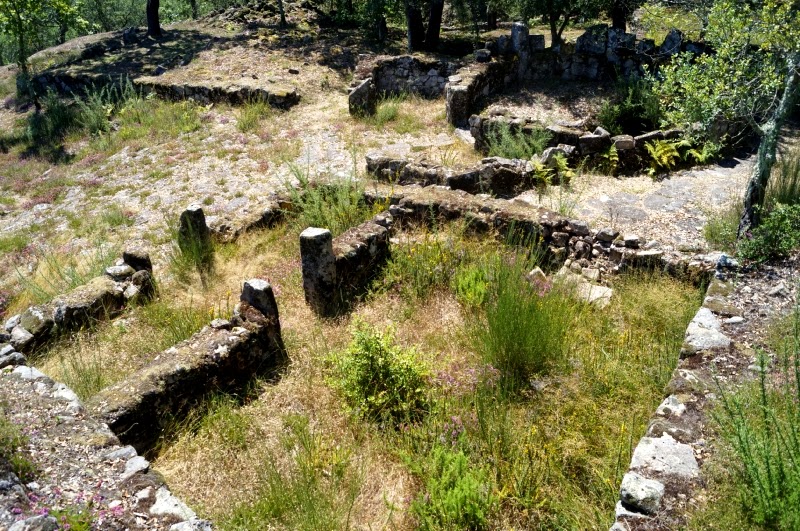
741 82
336 206
457 495
173 323
762 426
393 111
13 243
516 143
776 236
634 110
524 329
707 153
470 285
722 226
609 160
74 519
419 267
664 155
11 443
657 20
381 381
314 492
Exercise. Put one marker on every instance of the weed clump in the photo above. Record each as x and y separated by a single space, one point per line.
11 456
515 143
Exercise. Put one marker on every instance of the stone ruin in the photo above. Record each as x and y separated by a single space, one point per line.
129 281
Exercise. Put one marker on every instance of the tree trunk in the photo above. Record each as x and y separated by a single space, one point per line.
153 23
434 25
416 29
282 23
759 179
195 13
491 20
619 15
555 36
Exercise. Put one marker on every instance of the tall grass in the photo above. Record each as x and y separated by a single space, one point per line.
784 186
57 273
12 443
336 206
524 328
315 492
251 114
722 226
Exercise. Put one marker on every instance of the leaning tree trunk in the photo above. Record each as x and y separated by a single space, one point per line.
282 23
434 25
153 23
759 178
195 12
619 15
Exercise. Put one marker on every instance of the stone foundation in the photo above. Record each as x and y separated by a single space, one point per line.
243 91
128 281
223 356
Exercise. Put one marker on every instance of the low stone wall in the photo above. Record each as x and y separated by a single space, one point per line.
337 269
600 52
103 297
470 85
664 471
223 356
494 175
242 91
572 140
405 74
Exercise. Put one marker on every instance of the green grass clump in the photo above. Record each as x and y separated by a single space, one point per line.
11 455
381 381
722 226
524 329
251 114
13 243
316 491
784 186
336 206
635 109
515 143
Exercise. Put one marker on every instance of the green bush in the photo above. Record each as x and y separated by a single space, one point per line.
635 109
784 188
470 285
381 381
524 329
776 236
457 495
515 143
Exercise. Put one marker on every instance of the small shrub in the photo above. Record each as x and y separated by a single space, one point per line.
708 152
381 381
524 331
56 119
664 155
776 236
94 112
609 161
515 143
762 427
471 285
13 243
458 496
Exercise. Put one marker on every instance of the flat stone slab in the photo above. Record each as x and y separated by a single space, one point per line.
665 456
703 333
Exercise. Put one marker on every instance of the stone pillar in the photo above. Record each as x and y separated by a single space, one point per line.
319 269
194 238
258 294
363 99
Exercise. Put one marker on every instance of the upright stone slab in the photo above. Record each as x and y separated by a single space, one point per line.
258 294
319 269
194 237
363 99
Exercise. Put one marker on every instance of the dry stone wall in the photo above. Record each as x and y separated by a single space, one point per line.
223 356
130 280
